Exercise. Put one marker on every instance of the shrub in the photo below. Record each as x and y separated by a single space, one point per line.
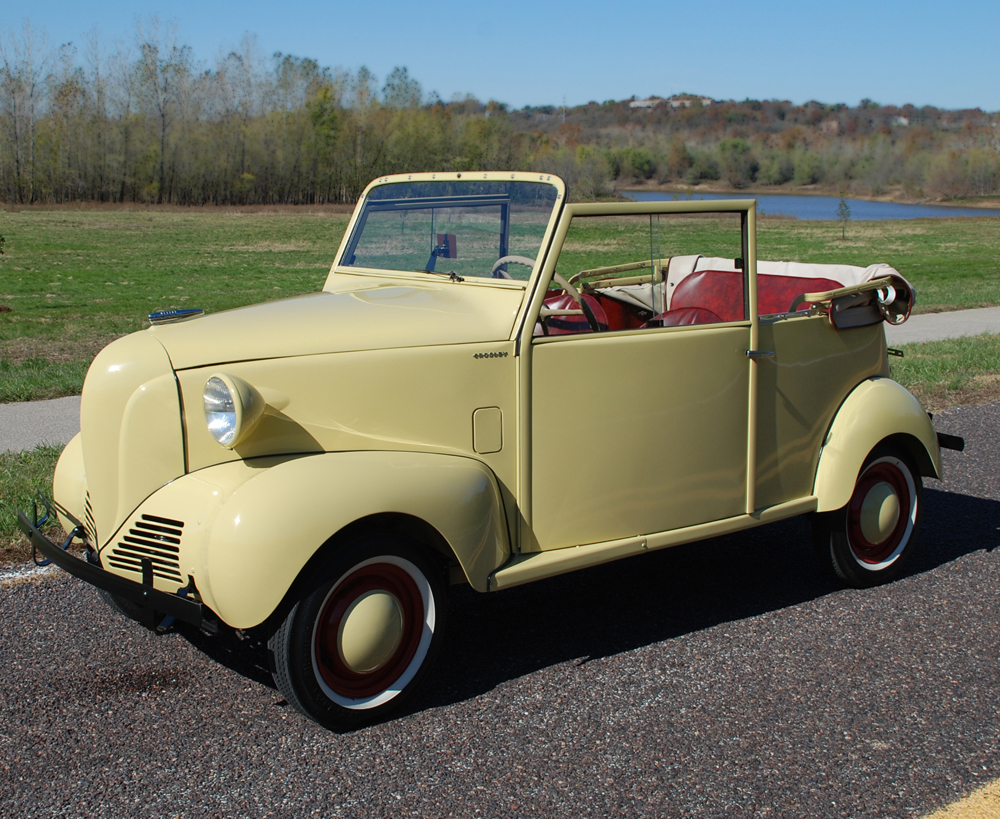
678 161
984 172
636 163
808 168
704 166
585 170
776 168
738 162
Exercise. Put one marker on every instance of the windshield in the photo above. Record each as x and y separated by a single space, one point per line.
476 228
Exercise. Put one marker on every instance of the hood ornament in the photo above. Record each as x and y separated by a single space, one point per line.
171 316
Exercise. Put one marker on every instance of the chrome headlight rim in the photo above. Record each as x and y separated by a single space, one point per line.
223 409
233 410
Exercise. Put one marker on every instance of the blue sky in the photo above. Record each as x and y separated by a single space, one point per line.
535 53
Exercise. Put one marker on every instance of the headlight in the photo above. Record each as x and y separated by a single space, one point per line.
232 408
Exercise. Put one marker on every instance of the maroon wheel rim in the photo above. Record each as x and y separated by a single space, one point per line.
384 577
875 553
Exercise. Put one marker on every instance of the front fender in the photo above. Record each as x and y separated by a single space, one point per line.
877 409
267 529
69 484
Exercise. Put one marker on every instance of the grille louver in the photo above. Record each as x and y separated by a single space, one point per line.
88 523
156 538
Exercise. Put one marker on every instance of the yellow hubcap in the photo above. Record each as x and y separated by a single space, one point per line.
879 513
370 631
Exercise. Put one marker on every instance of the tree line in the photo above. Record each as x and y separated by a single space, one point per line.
148 123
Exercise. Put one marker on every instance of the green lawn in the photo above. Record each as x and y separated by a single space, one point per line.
953 263
74 279
952 372
21 475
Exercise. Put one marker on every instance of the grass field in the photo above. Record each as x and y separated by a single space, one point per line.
953 263
951 373
21 475
74 279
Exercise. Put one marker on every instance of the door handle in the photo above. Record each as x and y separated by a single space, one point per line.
754 355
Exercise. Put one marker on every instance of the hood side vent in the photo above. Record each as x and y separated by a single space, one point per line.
88 523
155 538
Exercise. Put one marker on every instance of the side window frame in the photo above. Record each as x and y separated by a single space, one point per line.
543 276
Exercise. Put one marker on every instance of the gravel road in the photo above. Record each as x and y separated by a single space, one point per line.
721 679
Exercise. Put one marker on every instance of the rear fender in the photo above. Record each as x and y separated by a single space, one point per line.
876 410
267 529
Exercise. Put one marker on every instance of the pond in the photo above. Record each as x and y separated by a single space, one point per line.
821 207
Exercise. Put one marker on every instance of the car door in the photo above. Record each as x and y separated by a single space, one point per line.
641 426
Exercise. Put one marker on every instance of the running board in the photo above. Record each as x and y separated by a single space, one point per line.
539 565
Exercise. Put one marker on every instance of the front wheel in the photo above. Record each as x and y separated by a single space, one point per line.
866 542
356 644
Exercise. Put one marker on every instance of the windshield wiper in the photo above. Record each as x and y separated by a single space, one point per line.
450 274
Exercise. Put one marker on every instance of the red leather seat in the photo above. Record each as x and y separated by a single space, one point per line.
775 294
619 316
684 316
721 292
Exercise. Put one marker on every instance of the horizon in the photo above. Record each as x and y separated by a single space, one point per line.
455 51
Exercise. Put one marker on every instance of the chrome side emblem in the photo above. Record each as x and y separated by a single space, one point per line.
170 316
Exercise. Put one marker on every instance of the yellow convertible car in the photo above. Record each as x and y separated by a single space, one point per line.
494 386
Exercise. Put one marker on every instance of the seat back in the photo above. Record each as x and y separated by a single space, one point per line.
721 292
775 294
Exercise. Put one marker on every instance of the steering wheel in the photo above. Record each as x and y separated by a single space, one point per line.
497 273
574 294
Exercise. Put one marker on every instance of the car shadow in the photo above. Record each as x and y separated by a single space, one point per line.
617 607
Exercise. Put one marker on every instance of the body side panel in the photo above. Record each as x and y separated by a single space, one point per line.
400 400
814 367
637 432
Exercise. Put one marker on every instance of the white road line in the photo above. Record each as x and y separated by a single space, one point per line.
9 578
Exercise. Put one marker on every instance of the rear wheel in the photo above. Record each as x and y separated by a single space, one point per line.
358 642
867 541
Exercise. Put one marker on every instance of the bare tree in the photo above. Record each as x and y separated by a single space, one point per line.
164 69
24 63
123 101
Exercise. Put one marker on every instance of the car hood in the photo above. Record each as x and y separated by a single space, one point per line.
358 316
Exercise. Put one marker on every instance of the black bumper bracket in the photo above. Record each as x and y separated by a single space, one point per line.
155 604
951 442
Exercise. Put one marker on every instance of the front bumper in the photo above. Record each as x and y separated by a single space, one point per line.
156 605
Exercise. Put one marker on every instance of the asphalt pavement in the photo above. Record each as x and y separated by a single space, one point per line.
33 423
939 326
29 424
729 678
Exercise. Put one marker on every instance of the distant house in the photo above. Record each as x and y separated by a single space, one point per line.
652 102
687 101
831 126
901 121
